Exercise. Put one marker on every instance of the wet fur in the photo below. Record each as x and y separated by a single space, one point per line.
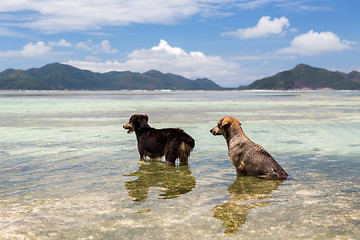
173 143
247 157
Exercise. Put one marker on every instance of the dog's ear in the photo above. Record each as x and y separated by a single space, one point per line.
146 118
223 124
132 118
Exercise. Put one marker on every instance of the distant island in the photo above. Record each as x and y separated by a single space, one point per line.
58 76
306 77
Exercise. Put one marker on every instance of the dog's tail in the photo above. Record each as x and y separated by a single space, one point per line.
186 139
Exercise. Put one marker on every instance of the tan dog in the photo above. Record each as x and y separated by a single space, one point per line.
247 157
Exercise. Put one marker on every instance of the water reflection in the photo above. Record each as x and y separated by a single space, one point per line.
246 193
171 181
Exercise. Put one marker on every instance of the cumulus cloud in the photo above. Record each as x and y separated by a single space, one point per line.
166 58
60 43
103 47
264 27
313 43
106 48
38 49
30 50
69 15
42 50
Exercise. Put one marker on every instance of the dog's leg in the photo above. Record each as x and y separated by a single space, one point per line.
184 152
172 152
142 156
170 157
170 160
184 160
239 172
141 152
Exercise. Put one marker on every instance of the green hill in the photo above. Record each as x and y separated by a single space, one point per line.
307 77
58 76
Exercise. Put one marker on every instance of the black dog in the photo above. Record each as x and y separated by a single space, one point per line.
172 142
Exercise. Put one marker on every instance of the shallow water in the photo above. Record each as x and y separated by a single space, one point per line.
69 171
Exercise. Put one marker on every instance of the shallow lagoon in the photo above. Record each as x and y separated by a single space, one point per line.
69 171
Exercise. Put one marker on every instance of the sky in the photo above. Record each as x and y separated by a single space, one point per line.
232 42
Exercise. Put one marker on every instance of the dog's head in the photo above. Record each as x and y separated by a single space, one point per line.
135 122
223 126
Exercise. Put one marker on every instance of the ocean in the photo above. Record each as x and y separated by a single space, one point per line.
68 170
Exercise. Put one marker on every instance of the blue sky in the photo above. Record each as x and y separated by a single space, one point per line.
232 42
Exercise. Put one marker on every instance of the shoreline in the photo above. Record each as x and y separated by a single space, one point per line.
170 90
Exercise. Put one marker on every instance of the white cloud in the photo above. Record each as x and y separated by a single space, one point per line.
30 50
96 65
300 5
8 32
164 46
86 46
106 48
166 58
60 43
69 15
263 57
263 28
103 47
313 43
303 6
33 50
52 16
253 4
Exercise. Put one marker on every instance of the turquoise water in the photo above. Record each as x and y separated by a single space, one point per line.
69 171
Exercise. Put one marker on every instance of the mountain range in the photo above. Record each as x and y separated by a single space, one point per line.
306 77
58 76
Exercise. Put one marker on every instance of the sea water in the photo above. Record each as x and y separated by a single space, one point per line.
68 170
